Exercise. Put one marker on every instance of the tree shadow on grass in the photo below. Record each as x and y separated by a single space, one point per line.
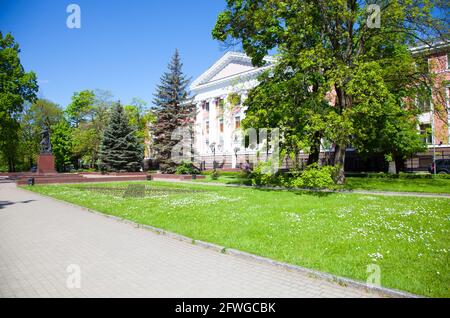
305 192
239 182
4 204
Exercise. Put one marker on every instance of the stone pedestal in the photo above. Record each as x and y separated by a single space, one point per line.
46 164
392 168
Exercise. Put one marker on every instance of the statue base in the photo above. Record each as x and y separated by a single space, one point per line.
46 164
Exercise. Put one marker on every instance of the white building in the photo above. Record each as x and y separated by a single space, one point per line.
219 93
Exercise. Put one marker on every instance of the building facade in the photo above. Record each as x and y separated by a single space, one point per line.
435 118
219 95
220 92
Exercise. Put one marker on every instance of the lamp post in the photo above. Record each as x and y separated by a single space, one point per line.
236 150
434 157
213 149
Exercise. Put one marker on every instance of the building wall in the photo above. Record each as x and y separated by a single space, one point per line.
439 117
209 117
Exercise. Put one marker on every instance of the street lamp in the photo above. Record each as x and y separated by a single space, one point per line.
236 150
213 149
434 156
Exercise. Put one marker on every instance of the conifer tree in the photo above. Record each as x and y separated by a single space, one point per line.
173 109
121 149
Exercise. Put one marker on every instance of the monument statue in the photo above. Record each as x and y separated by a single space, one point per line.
46 145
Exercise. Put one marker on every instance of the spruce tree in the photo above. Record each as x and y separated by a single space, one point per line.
173 109
121 150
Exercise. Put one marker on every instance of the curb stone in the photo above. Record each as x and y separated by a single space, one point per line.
342 281
346 282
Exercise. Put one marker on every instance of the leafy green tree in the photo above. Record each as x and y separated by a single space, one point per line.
120 149
29 140
333 44
81 107
44 113
139 117
87 136
61 138
86 145
285 100
16 87
102 107
173 109
35 116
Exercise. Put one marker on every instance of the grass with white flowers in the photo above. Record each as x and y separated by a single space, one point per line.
342 234
438 185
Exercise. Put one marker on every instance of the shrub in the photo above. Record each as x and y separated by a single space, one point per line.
246 171
215 175
314 177
167 168
222 173
402 175
186 168
263 176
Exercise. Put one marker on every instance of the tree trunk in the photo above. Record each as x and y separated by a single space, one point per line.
10 165
296 160
314 154
399 164
343 102
339 163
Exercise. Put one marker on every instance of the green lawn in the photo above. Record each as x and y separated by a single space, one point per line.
399 185
227 179
377 184
337 233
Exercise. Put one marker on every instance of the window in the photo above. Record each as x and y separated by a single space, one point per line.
221 125
424 101
425 131
207 106
221 103
448 61
447 96
237 122
207 127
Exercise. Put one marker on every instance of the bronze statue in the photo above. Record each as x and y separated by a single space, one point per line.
46 145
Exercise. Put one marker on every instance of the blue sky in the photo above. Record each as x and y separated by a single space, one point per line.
123 45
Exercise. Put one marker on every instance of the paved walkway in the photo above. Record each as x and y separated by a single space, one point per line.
41 238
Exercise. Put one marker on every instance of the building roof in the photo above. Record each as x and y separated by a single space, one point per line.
436 46
231 66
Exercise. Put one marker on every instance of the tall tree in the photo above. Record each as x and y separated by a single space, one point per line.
173 109
62 146
336 44
44 113
29 139
16 87
87 137
120 149
81 107
35 116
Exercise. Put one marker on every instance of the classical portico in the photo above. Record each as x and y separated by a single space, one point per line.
219 95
